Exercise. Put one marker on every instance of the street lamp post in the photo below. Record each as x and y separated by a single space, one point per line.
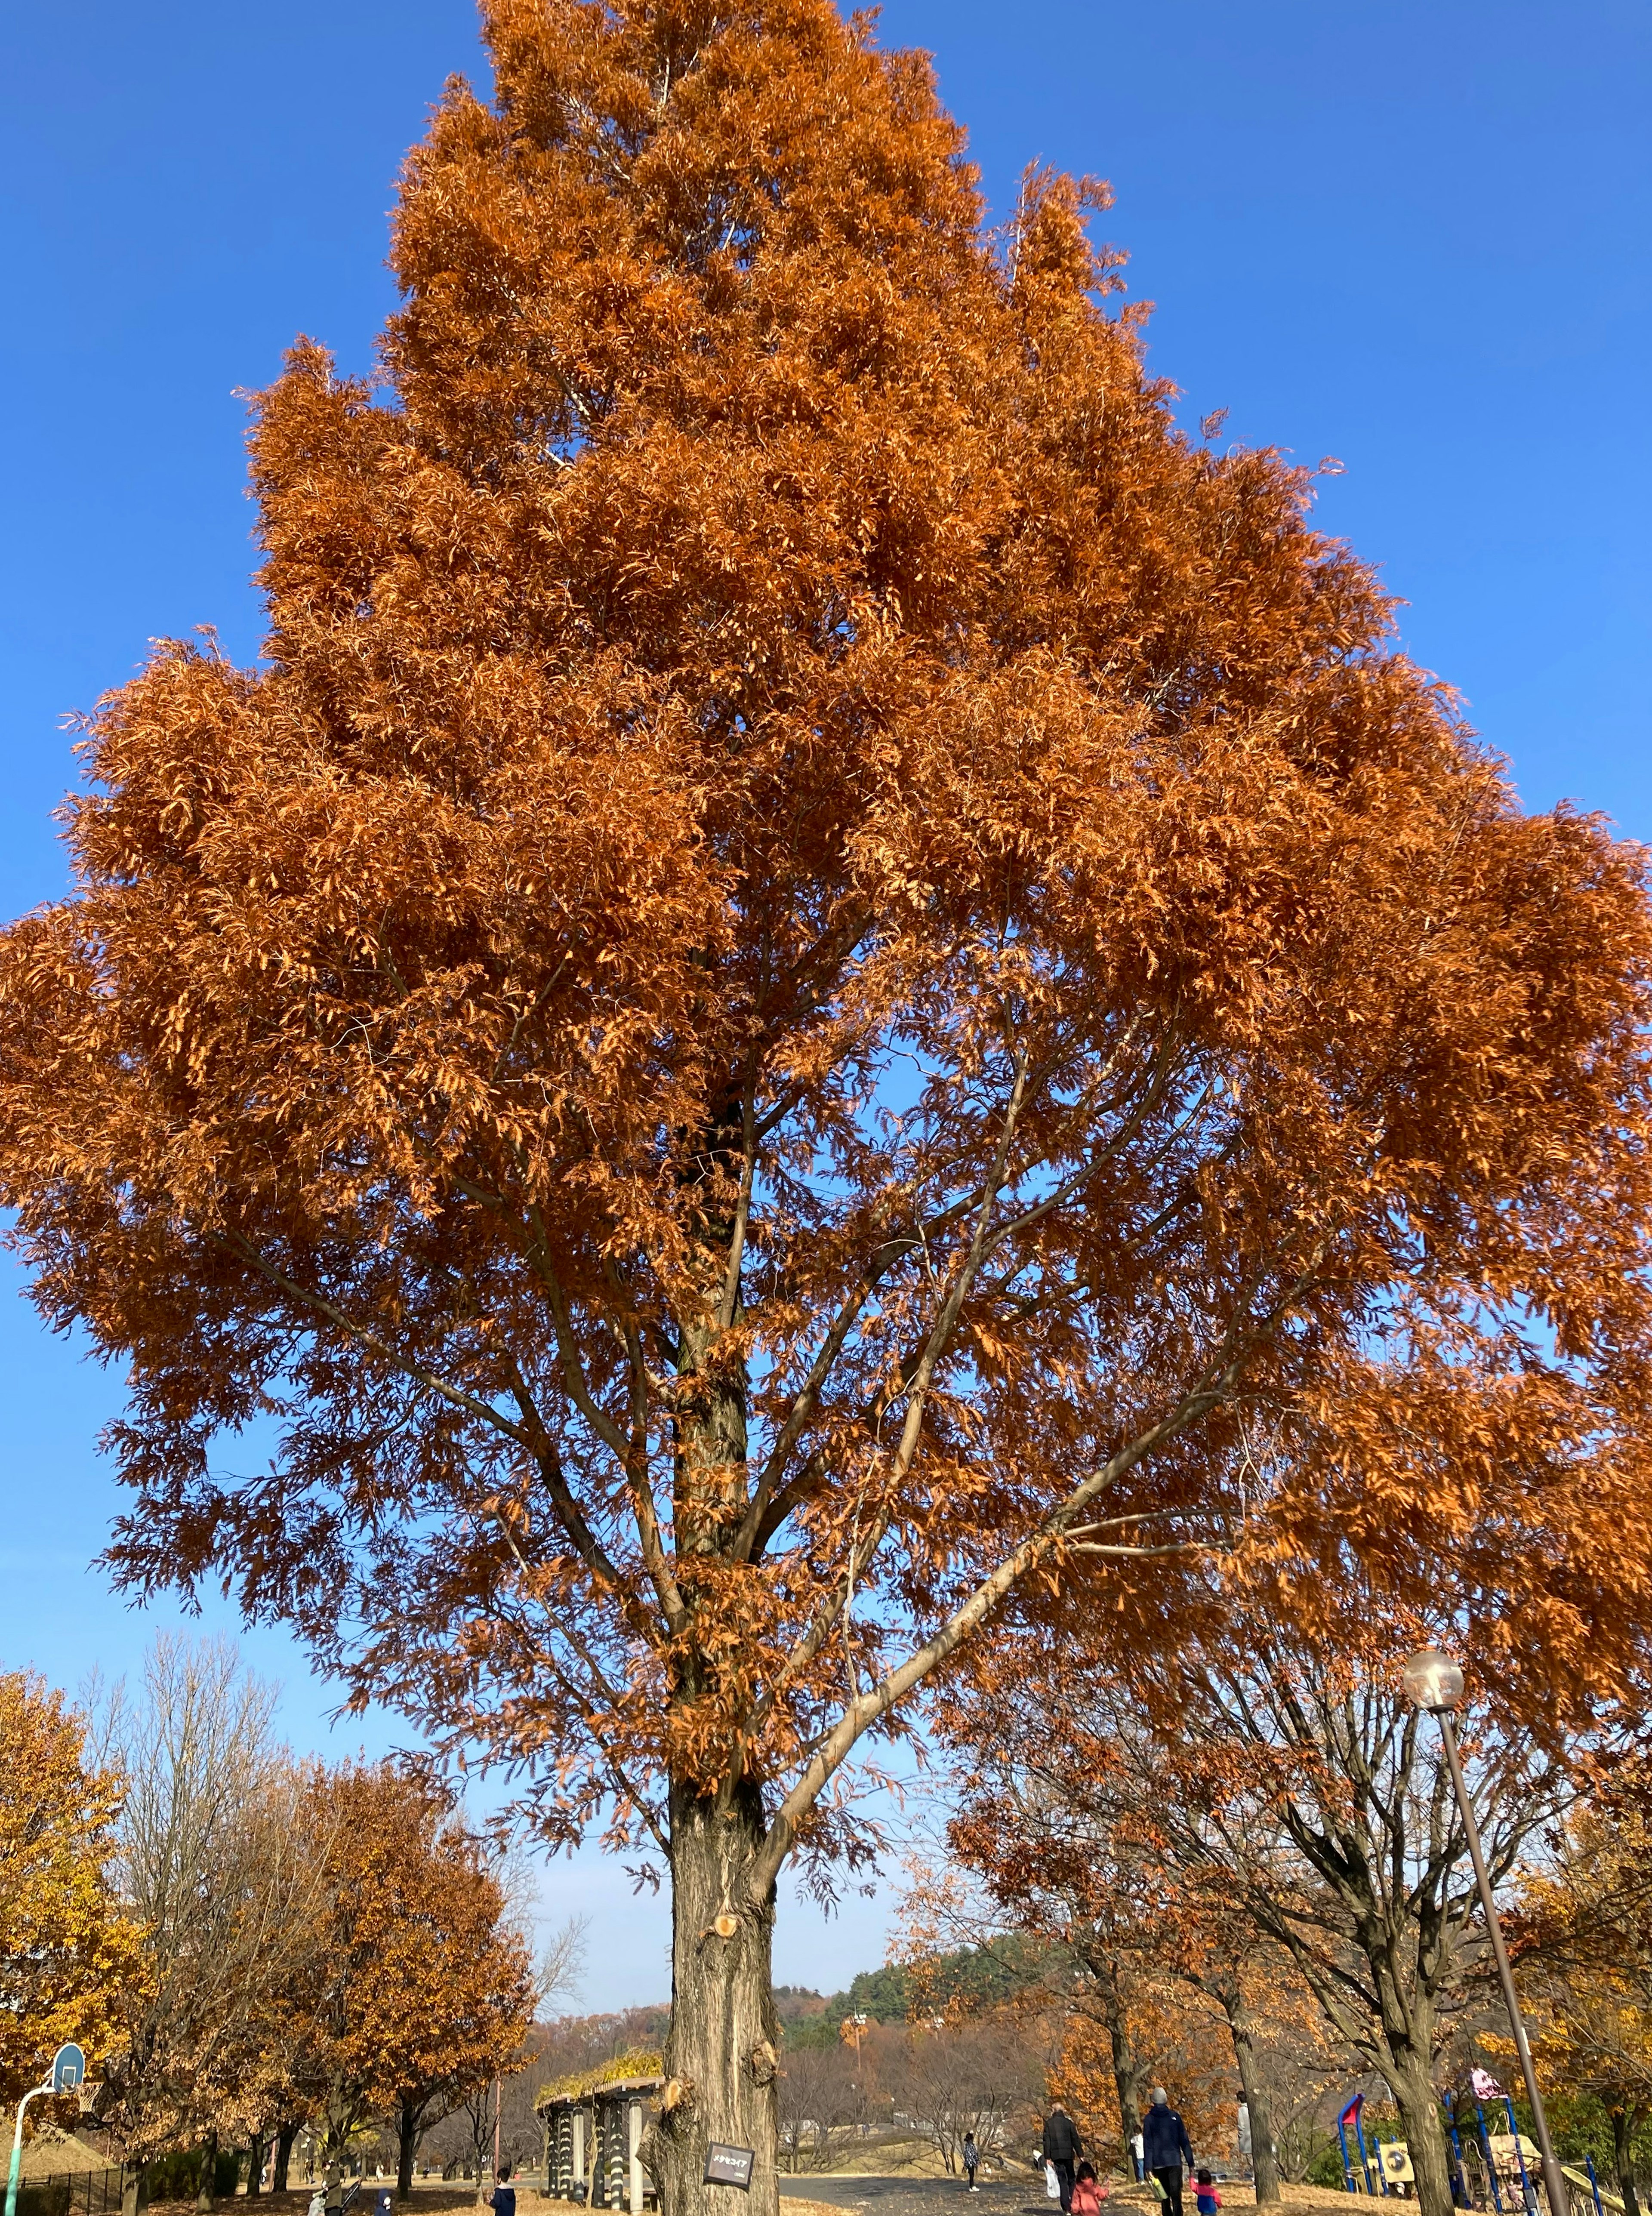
1435 1682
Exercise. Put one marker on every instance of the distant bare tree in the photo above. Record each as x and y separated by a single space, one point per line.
562 1965
968 2077
221 1885
819 2098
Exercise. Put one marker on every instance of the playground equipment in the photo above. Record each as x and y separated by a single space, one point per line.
1394 2164
1499 2175
1591 2185
1348 2115
68 2076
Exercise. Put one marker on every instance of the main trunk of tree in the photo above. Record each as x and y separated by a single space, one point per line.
1127 2070
284 2140
407 2147
1622 2130
722 2056
134 2192
208 2174
1264 2163
256 2167
1412 2079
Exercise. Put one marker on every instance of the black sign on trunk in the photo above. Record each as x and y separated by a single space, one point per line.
728 2165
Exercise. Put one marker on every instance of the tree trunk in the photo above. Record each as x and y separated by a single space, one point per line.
1425 2133
1263 2162
134 2192
284 2140
1127 2070
1622 2128
407 2147
481 2144
721 2056
208 2175
256 2167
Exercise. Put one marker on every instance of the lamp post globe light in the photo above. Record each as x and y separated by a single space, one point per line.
1432 1681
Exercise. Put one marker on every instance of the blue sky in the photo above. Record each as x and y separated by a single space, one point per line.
1412 236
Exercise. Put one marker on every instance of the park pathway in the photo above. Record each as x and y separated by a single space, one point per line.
919 2196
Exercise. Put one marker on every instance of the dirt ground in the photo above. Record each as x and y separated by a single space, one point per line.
1015 2192
432 2196
905 2191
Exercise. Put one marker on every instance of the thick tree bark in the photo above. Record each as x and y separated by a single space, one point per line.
208 2174
284 2140
407 2146
1263 2160
256 2167
134 2192
1623 2128
1127 2070
1425 2131
722 2055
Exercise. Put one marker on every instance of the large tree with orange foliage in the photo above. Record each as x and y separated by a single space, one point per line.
819 948
1253 1797
421 1992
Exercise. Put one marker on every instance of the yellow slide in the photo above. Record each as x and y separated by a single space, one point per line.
1581 2178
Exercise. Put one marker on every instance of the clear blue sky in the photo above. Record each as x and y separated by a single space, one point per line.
1412 235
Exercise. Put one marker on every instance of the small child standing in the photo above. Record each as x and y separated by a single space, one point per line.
1209 2198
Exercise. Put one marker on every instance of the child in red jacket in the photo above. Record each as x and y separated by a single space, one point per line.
1089 2192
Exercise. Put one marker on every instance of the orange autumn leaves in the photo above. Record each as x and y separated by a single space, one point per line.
823 964
421 1990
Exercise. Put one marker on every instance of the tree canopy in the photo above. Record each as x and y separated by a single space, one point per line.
823 961
420 1991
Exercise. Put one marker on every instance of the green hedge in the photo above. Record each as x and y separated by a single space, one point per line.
50 2199
176 2176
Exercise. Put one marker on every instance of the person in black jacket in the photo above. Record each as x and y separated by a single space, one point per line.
1165 2147
1062 2149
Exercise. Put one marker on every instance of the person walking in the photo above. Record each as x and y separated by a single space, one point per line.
1165 2147
972 2160
1062 2149
502 2199
1088 2191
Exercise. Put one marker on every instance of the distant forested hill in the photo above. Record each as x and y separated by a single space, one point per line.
978 1976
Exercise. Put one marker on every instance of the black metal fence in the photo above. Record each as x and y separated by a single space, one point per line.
71 2192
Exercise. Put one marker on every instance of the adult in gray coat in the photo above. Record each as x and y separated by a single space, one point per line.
1165 2148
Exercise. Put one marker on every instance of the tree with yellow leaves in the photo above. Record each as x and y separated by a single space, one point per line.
66 1950
1583 1936
209 1865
